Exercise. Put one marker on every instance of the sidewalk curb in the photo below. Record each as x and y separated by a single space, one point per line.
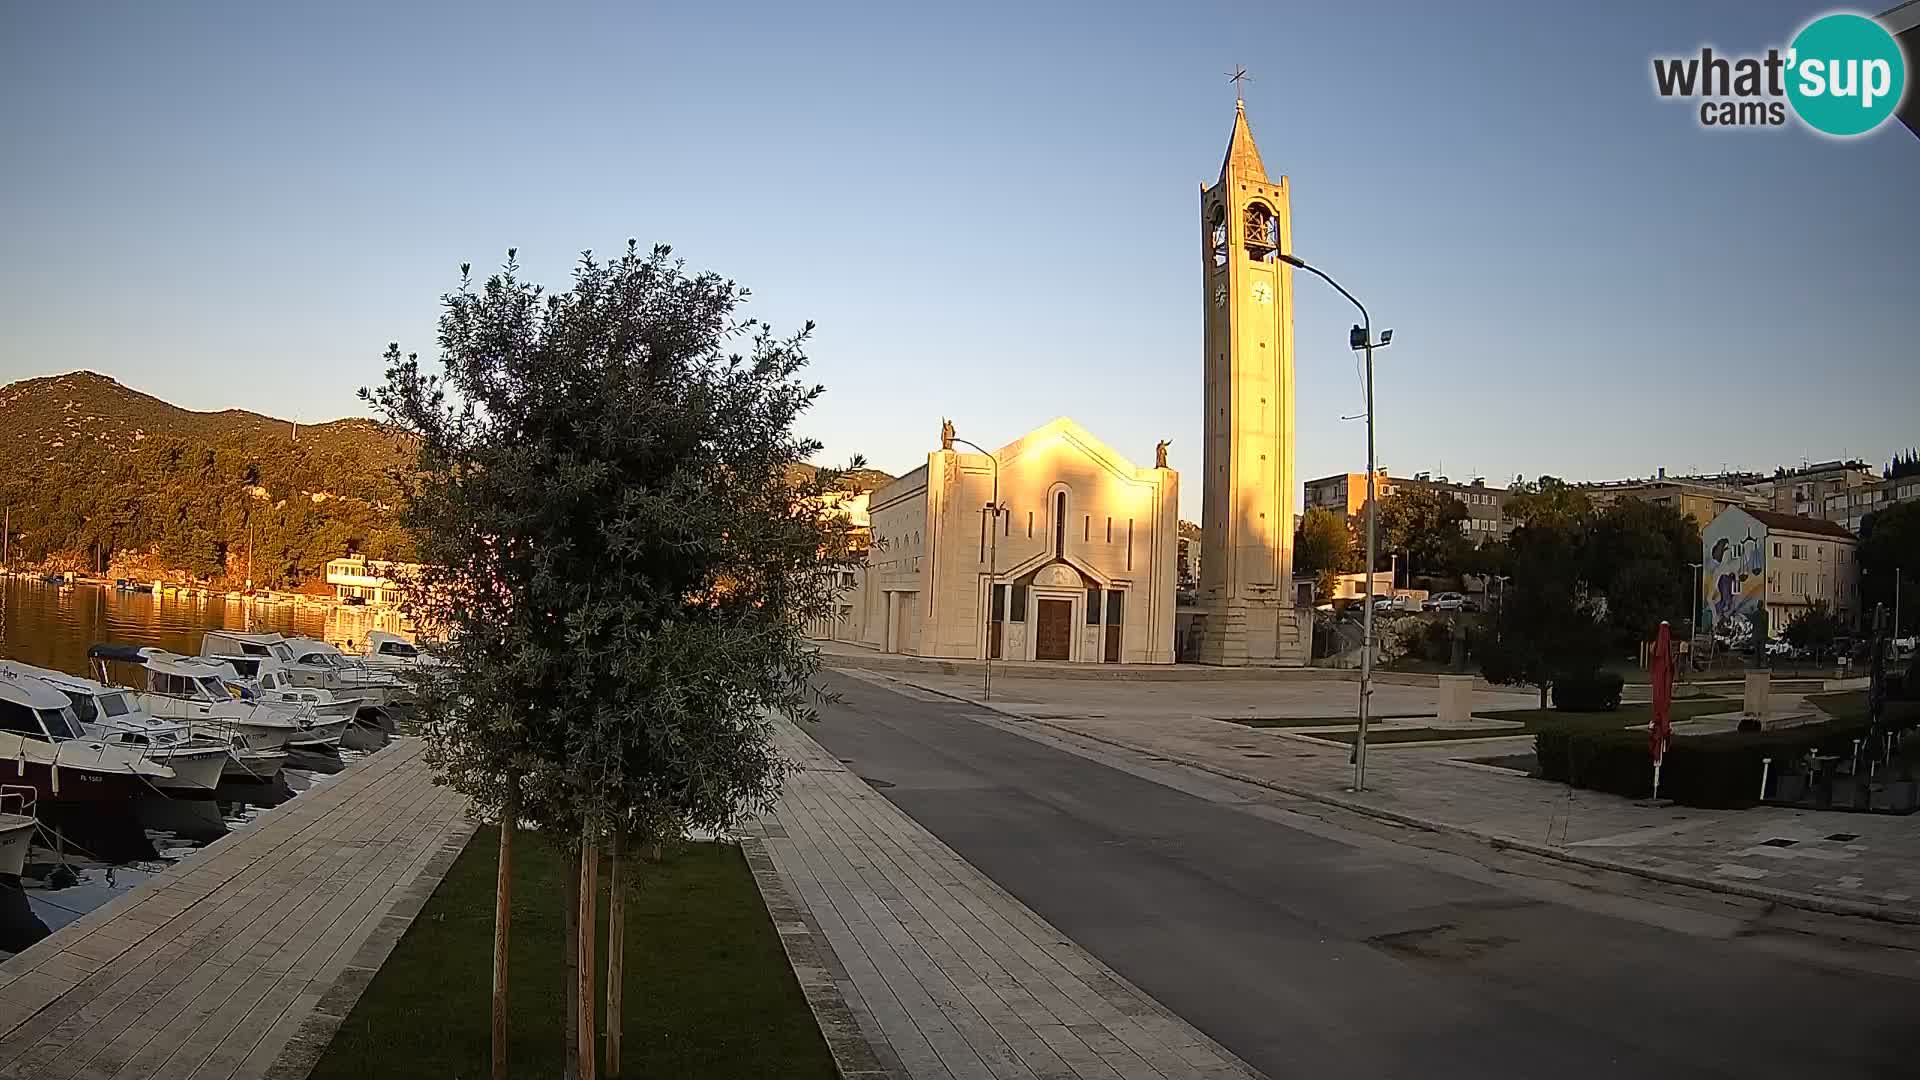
815 966
1825 905
896 663
1807 901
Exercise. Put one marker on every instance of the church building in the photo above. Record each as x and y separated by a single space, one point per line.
1055 547
1077 564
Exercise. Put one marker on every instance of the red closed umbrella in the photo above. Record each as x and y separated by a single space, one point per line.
1660 732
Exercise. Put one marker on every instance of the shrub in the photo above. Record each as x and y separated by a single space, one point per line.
1720 770
1594 691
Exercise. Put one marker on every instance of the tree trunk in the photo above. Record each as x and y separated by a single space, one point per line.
616 958
589 925
570 1056
502 921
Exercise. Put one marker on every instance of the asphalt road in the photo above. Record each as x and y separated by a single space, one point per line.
1309 956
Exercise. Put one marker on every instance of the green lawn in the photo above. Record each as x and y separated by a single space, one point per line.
1538 720
1852 705
708 989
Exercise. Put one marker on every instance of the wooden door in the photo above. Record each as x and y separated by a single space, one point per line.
1053 630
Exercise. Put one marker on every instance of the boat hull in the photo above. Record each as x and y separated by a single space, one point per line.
325 733
251 765
74 784
16 834
195 769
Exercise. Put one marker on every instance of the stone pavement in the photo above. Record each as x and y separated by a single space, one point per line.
1856 864
239 961
947 975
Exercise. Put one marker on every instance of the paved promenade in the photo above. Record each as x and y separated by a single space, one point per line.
1826 860
248 951
948 976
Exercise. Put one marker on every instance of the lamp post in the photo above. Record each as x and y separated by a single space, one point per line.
993 562
1693 616
1361 337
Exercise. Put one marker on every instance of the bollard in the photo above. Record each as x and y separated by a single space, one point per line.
1766 766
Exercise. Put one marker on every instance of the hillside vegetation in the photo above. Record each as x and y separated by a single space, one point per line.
102 477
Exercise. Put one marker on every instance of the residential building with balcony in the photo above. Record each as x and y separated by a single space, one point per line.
1850 508
357 580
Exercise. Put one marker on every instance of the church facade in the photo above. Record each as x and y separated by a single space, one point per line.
1055 547
1075 564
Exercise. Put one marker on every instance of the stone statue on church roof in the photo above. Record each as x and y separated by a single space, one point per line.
946 434
1160 453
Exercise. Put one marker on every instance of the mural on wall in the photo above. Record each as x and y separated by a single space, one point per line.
1735 577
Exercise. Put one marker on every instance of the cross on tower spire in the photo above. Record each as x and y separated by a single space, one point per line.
1239 78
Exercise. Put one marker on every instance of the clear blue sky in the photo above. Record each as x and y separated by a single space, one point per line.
990 209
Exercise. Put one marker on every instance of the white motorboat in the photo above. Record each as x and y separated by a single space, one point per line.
194 691
43 745
17 823
308 663
393 652
114 715
267 679
323 719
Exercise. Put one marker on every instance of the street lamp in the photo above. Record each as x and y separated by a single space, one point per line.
993 563
1361 338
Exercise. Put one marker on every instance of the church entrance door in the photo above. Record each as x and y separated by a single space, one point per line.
1054 630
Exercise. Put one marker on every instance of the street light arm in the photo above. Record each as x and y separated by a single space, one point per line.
1366 321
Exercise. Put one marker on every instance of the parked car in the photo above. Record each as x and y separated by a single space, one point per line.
1391 605
1447 601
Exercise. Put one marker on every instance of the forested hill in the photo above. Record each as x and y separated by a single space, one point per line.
96 473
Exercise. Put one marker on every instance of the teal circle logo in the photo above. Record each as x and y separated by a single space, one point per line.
1846 74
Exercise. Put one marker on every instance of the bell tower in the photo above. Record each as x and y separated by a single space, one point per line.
1246 562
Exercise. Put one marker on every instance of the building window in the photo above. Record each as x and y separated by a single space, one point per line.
1093 607
1086 527
1029 524
1019 604
1060 525
1776 549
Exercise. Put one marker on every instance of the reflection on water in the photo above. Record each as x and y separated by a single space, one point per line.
53 626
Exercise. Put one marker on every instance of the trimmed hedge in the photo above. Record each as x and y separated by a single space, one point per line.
1595 691
1720 770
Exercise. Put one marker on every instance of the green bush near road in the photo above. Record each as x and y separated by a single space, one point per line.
1596 691
1719 770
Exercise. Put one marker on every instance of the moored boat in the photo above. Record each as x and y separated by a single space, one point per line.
114 715
194 692
43 746
17 823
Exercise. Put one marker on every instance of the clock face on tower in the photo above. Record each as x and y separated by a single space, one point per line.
1262 293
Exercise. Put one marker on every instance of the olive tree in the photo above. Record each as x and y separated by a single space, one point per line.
622 556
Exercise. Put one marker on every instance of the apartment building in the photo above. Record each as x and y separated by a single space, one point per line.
1849 508
1702 499
1761 570
1346 494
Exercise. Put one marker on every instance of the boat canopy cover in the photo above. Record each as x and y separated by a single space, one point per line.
108 651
